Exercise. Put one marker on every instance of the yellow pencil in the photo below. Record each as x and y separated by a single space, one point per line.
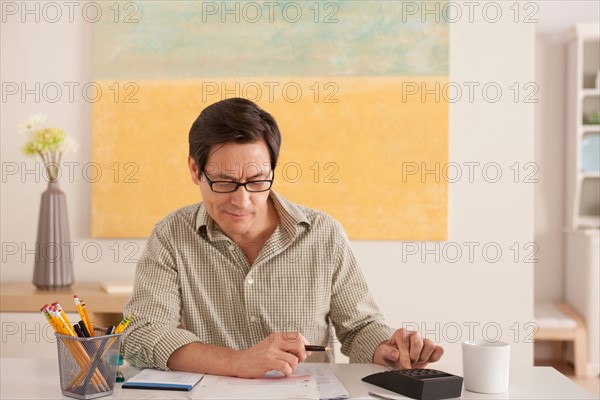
61 323
44 311
80 310
120 324
124 323
78 304
64 316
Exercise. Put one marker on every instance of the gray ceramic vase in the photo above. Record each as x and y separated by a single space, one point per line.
53 265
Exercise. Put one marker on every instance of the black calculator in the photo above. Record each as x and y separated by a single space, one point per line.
422 384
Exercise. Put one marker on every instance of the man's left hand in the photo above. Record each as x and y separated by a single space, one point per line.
406 350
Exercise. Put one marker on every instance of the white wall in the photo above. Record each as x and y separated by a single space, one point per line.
481 213
442 296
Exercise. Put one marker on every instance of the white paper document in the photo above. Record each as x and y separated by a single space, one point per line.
330 387
269 387
310 381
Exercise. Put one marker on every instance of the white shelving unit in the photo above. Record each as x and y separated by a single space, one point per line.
583 184
582 242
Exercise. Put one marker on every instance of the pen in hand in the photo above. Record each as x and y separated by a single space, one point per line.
310 347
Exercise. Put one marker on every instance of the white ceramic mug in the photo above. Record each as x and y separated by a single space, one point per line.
485 366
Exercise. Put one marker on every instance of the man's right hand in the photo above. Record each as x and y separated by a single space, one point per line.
281 351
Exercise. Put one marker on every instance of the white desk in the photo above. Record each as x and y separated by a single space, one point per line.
37 378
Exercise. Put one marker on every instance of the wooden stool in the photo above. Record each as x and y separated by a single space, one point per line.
558 322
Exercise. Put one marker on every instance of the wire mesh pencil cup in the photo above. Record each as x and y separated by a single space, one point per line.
88 366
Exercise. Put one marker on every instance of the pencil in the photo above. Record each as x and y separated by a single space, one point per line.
310 347
63 315
124 323
87 321
79 308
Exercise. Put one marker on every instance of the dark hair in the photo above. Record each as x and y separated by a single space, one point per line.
237 120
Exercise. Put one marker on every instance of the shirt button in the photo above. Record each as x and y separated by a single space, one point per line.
231 247
253 318
250 281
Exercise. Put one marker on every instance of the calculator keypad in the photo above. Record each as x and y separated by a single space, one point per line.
421 373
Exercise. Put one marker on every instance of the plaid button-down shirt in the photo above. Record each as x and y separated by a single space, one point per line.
194 284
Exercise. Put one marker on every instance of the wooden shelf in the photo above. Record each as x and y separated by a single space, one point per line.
24 297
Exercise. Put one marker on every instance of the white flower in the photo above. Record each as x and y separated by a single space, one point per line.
32 122
23 127
69 145
37 119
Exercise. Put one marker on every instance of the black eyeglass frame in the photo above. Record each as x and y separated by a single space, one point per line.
238 184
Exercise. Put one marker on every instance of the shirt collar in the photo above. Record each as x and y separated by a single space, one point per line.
291 217
205 222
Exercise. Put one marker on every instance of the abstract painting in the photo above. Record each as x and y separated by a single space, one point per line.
357 88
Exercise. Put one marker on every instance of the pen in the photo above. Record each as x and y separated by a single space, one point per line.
84 329
78 330
310 347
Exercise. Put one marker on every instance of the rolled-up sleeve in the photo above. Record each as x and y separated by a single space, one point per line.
154 333
359 324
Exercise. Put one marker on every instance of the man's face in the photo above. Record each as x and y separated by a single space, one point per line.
240 214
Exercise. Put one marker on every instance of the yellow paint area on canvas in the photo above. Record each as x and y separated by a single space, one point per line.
357 148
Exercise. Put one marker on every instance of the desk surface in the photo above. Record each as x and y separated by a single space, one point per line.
37 378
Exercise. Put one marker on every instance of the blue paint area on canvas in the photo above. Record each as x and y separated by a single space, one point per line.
188 39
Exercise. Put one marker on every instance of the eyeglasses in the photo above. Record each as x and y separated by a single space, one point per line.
230 186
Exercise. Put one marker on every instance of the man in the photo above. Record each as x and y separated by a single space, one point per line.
240 283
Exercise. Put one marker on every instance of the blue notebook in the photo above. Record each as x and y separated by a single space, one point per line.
163 380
